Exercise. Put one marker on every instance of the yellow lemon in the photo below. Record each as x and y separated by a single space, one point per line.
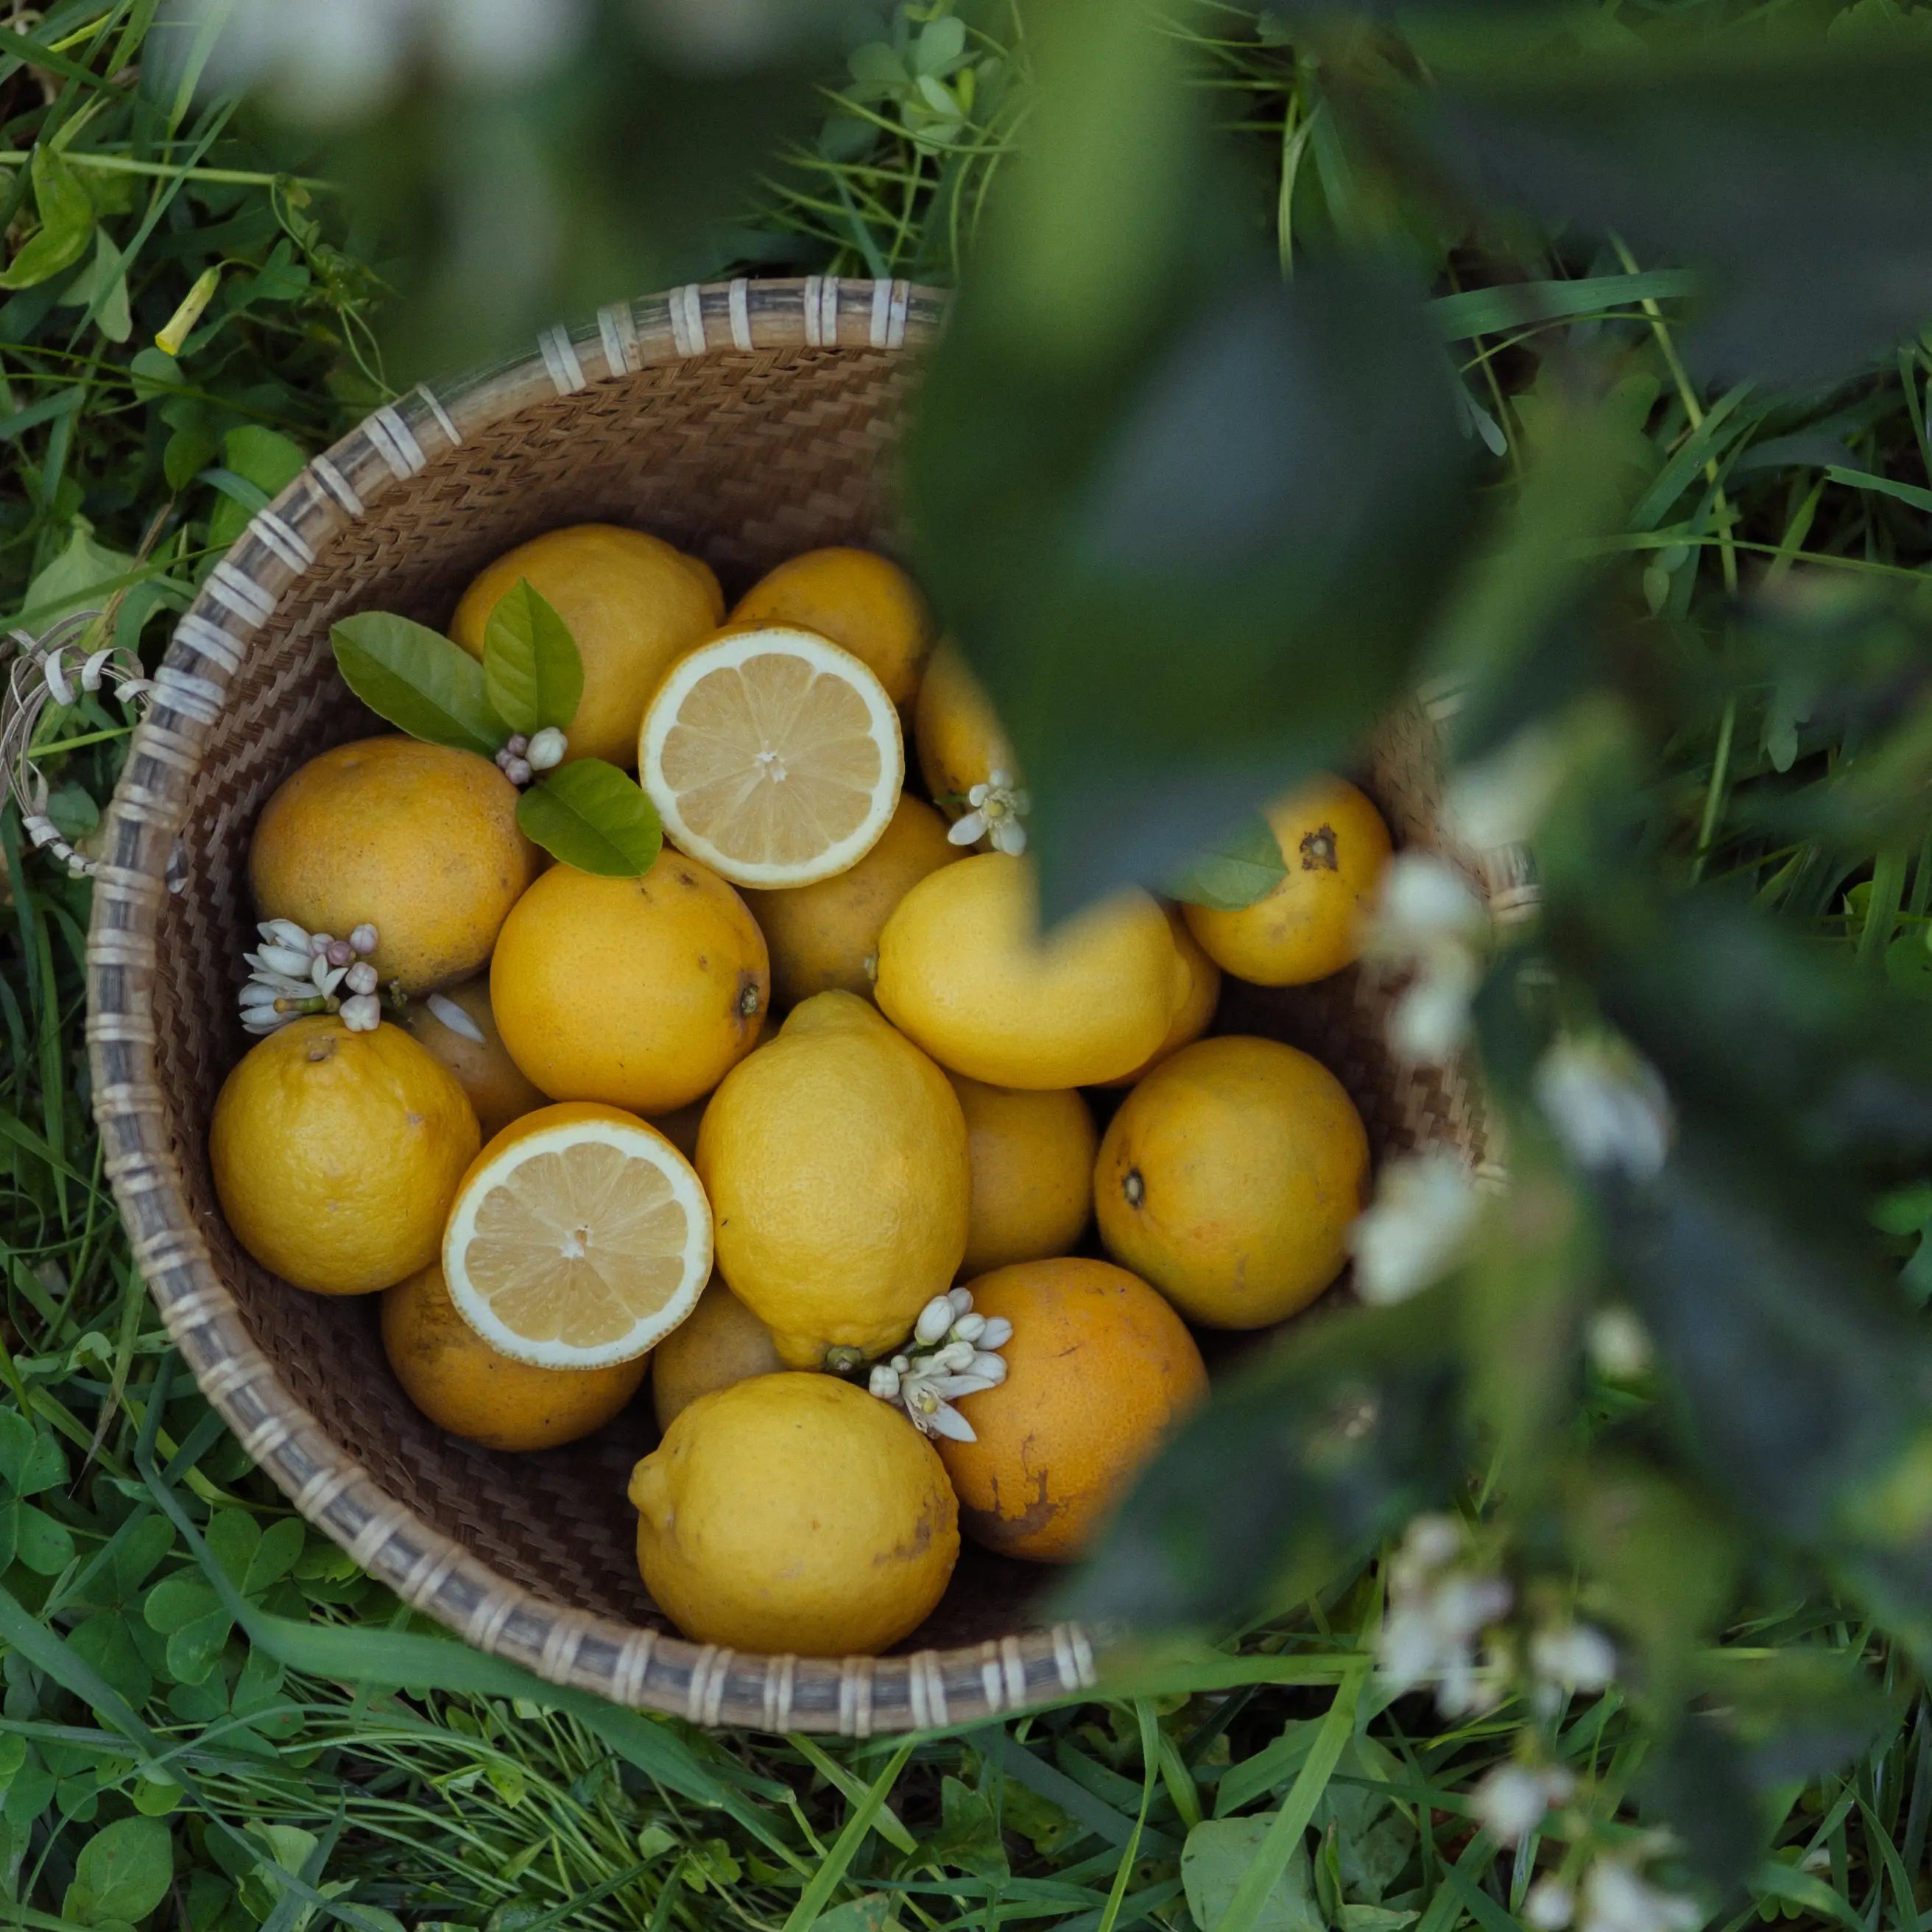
825 938
1033 1172
1336 847
458 1026
720 1342
956 733
1195 1013
836 1161
463 1385
795 1513
773 755
1228 1179
1099 1370
643 992
964 971
859 600
579 1238
633 604
418 840
336 1154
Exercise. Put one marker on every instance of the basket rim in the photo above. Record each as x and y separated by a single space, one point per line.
631 1665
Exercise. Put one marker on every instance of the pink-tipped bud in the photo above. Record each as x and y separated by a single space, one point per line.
517 745
363 939
518 772
340 953
318 943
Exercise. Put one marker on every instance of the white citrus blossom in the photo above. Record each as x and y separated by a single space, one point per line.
1608 1105
1413 1231
1617 1897
296 972
1511 1801
1438 1609
1549 1905
1501 800
1000 806
1428 920
953 1352
1567 1657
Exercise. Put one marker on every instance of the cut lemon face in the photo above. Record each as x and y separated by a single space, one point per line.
580 1238
773 755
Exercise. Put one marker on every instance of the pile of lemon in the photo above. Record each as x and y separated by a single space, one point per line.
761 1213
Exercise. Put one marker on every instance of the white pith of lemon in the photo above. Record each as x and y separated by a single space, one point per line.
773 755
577 1243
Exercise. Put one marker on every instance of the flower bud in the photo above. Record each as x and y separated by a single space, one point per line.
363 939
517 771
318 943
518 745
885 1381
993 1367
969 1328
956 1355
361 977
363 1014
997 1334
934 1318
340 953
961 1299
546 749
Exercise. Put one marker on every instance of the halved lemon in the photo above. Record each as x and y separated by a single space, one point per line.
580 1237
773 755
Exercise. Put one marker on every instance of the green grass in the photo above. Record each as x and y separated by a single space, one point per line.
142 1550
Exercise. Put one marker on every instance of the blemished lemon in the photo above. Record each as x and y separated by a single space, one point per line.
858 599
1336 847
956 733
795 1513
1195 1013
964 971
773 755
336 1154
634 604
1228 1179
835 1160
580 1238
643 992
720 1342
825 938
1033 1172
417 840
463 1385
498 1088
1099 1369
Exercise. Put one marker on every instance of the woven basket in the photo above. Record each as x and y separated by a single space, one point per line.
746 422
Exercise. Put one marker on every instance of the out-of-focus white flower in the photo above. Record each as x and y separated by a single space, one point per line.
1618 1898
1568 1657
1511 1801
1501 800
999 807
1619 1343
1608 1104
1413 1231
1437 1610
1427 919
1549 1905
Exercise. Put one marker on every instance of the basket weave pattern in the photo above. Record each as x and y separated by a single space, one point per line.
745 422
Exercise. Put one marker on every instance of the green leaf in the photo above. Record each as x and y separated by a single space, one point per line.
107 1643
66 222
531 667
194 1649
594 817
1233 871
74 578
30 1462
274 1555
417 680
45 1546
101 288
123 1872
178 1601
262 457
1219 1851
233 1536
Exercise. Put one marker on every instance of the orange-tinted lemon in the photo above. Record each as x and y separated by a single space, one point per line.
857 598
1099 1370
465 1386
498 1088
642 992
721 1342
417 840
1336 847
1228 1179
1032 1153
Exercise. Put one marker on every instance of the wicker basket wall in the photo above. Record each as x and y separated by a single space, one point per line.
746 422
